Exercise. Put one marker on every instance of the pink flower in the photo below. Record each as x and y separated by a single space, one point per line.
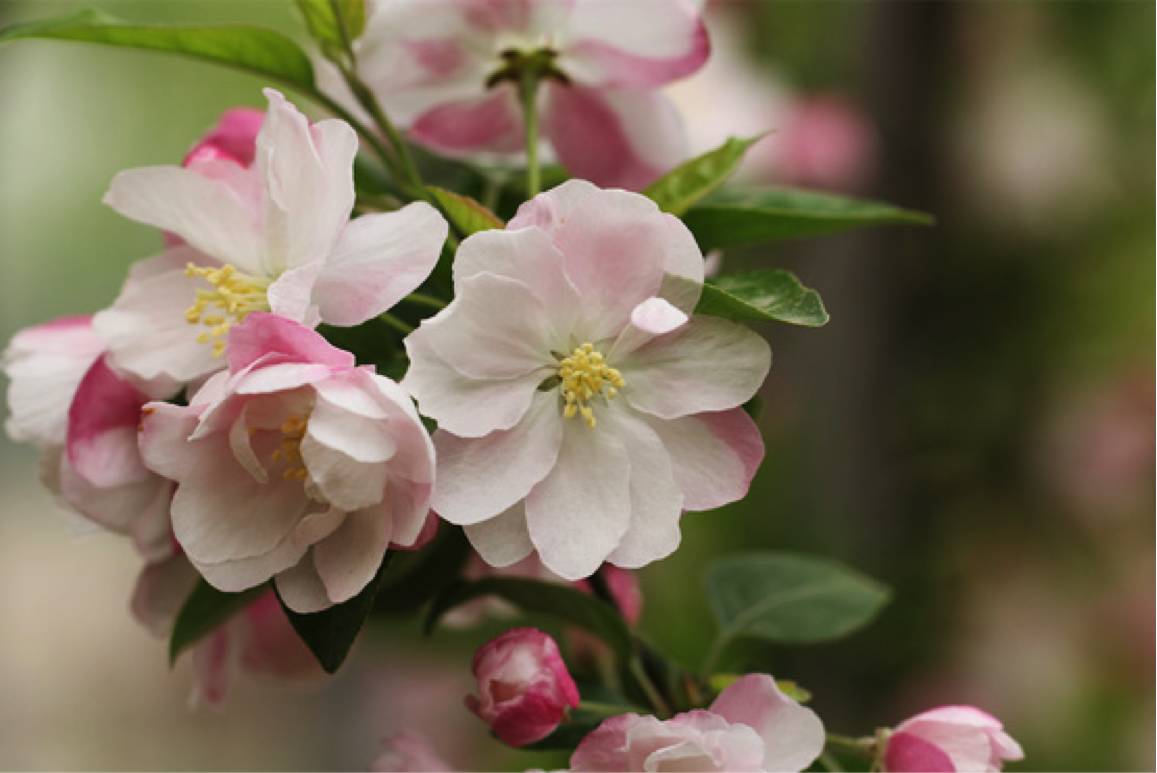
950 738
751 726
824 141
440 67
66 400
580 408
234 138
524 689
409 752
293 464
274 236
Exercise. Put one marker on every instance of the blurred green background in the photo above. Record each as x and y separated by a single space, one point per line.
975 425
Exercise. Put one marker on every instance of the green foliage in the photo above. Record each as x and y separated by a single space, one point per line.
329 634
679 189
204 610
334 24
252 49
417 576
788 598
466 214
734 219
561 601
766 295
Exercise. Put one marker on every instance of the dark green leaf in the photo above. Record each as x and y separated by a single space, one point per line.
253 49
789 598
577 726
205 610
737 218
417 576
561 601
334 24
765 295
329 634
687 183
467 215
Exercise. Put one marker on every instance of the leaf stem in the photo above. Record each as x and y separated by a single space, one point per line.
654 697
717 647
397 324
605 709
429 301
528 92
829 761
862 746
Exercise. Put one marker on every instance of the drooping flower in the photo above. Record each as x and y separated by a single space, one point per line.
65 399
950 738
448 70
524 688
273 236
293 464
751 726
580 407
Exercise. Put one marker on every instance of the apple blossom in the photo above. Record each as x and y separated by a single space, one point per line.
449 70
580 407
408 752
949 738
751 726
293 464
274 236
524 688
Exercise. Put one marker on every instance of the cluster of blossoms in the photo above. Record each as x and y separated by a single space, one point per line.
564 405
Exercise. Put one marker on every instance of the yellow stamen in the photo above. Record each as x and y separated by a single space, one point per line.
585 375
236 295
289 452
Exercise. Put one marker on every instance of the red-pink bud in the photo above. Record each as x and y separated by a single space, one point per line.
950 738
234 138
524 688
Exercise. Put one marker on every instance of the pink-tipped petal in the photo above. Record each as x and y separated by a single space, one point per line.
262 335
714 456
490 123
102 428
793 735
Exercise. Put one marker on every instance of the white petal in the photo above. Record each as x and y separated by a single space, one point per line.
714 455
502 540
653 317
793 735
349 558
301 587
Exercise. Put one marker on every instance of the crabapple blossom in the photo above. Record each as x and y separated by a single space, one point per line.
751 726
581 408
449 71
524 688
65 399
293 464
272 236
950 738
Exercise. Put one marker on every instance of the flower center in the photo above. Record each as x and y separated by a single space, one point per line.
233 297
585 375
289 452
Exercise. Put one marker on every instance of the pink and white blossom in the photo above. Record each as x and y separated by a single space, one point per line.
581 408
275 235
751 726
294 464
950 738
408 752
524 688
440 68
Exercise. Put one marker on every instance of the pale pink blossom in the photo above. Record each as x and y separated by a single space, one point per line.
950 738
524 688
408 752
438 68
751 726
580 407
272 236
294 464
65 399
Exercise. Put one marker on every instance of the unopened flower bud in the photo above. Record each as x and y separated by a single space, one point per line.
950 738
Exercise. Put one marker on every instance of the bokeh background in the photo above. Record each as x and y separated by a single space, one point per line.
974 426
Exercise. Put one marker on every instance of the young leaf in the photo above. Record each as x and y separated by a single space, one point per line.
253 49
204 610
334 24
789 598
770 214
466 214
329 634
687 183
563 602
765 295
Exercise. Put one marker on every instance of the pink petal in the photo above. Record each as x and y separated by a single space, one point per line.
160 592
102 428
714 456
234 137
164 438
349 558
793 735
489 123
214 664
524 254
605 748
908 752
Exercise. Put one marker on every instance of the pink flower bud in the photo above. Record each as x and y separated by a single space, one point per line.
234 138
523 684
950 738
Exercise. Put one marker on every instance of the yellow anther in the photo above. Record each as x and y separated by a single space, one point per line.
584 376
289 451
234 296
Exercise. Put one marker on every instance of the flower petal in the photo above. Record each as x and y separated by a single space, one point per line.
378 260
502 540
479 478
301 588
909 752
102 428
164 438
793 735
491 122
160 592
714 455
528 256
262 335
709 364
349 558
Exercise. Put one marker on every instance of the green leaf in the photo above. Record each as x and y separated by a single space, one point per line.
334 24
252 49
560 601
733 219
466 214
789 598
687 183
329 634
417 576
766 295
205 610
